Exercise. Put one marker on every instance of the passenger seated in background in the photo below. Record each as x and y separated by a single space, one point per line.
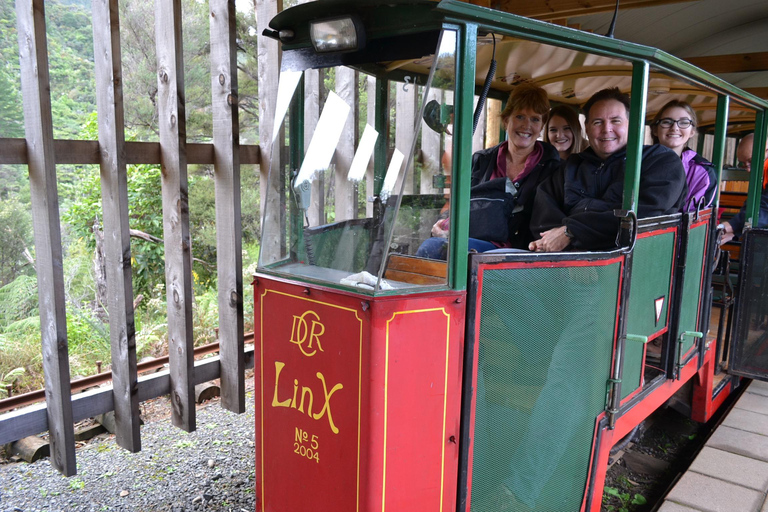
563 131
672 127
735 226
520 163
574 207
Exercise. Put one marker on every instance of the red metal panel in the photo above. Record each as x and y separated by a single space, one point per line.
416 409
310 389
384 374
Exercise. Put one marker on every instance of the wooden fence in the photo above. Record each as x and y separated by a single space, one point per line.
41 153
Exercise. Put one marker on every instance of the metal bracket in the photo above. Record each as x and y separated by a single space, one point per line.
680 340
611 390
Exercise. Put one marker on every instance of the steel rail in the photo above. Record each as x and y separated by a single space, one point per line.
14 402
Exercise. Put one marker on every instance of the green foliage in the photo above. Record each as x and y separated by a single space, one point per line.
145 214
625 499
76 484
9 379
18 301
205 312
11 115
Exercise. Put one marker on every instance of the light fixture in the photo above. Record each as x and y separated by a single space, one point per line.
337 35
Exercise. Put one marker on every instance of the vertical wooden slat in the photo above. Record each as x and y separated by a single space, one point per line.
492 129
430 149
345 191
312 96
35 89
173 165
405 117
226 150
114 199
268 78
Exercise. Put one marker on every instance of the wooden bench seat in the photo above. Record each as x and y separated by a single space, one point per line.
410 269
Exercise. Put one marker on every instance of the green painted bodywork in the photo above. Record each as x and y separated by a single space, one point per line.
651 275
689 304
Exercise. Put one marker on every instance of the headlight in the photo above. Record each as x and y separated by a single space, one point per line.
336 35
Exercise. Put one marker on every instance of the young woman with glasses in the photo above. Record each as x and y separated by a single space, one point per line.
673 127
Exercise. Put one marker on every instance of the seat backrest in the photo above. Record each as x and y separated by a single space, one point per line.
410 269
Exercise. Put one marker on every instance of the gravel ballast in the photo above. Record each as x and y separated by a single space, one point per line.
209 469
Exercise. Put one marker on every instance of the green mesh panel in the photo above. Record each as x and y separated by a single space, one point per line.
651 272
689 305
545 344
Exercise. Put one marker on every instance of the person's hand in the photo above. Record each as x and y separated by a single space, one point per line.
553 240
440 228
728 234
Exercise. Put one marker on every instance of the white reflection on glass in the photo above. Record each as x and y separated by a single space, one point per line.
289 80
392 171
363 154
325 139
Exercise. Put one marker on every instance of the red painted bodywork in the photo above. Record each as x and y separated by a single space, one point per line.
387 438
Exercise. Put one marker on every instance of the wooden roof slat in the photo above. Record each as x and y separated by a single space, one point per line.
735 63
547 10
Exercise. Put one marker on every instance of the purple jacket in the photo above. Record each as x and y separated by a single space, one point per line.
697 176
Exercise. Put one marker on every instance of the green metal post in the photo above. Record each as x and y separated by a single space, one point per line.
636 131
462 156
381 121
295 156
721 127
756 174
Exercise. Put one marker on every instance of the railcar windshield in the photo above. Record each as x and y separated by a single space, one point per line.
360 166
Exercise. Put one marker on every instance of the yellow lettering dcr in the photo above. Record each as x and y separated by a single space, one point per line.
306 332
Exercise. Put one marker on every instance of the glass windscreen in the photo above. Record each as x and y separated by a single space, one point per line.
360 170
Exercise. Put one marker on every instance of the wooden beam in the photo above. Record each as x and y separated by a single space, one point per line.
175 190
735 63
85 152
229 259
38 123
114 200
546 10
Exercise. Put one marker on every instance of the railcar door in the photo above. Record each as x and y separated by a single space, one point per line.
539 353
748 355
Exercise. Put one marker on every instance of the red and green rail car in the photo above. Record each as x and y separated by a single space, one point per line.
389 382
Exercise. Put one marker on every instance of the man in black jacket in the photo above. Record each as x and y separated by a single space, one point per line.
574 207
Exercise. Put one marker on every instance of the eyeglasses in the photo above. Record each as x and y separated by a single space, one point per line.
668 122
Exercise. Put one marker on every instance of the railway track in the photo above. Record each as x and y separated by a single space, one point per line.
98 379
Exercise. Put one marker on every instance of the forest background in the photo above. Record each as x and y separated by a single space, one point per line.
70 48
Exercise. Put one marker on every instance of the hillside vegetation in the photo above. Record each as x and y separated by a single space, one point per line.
70 46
